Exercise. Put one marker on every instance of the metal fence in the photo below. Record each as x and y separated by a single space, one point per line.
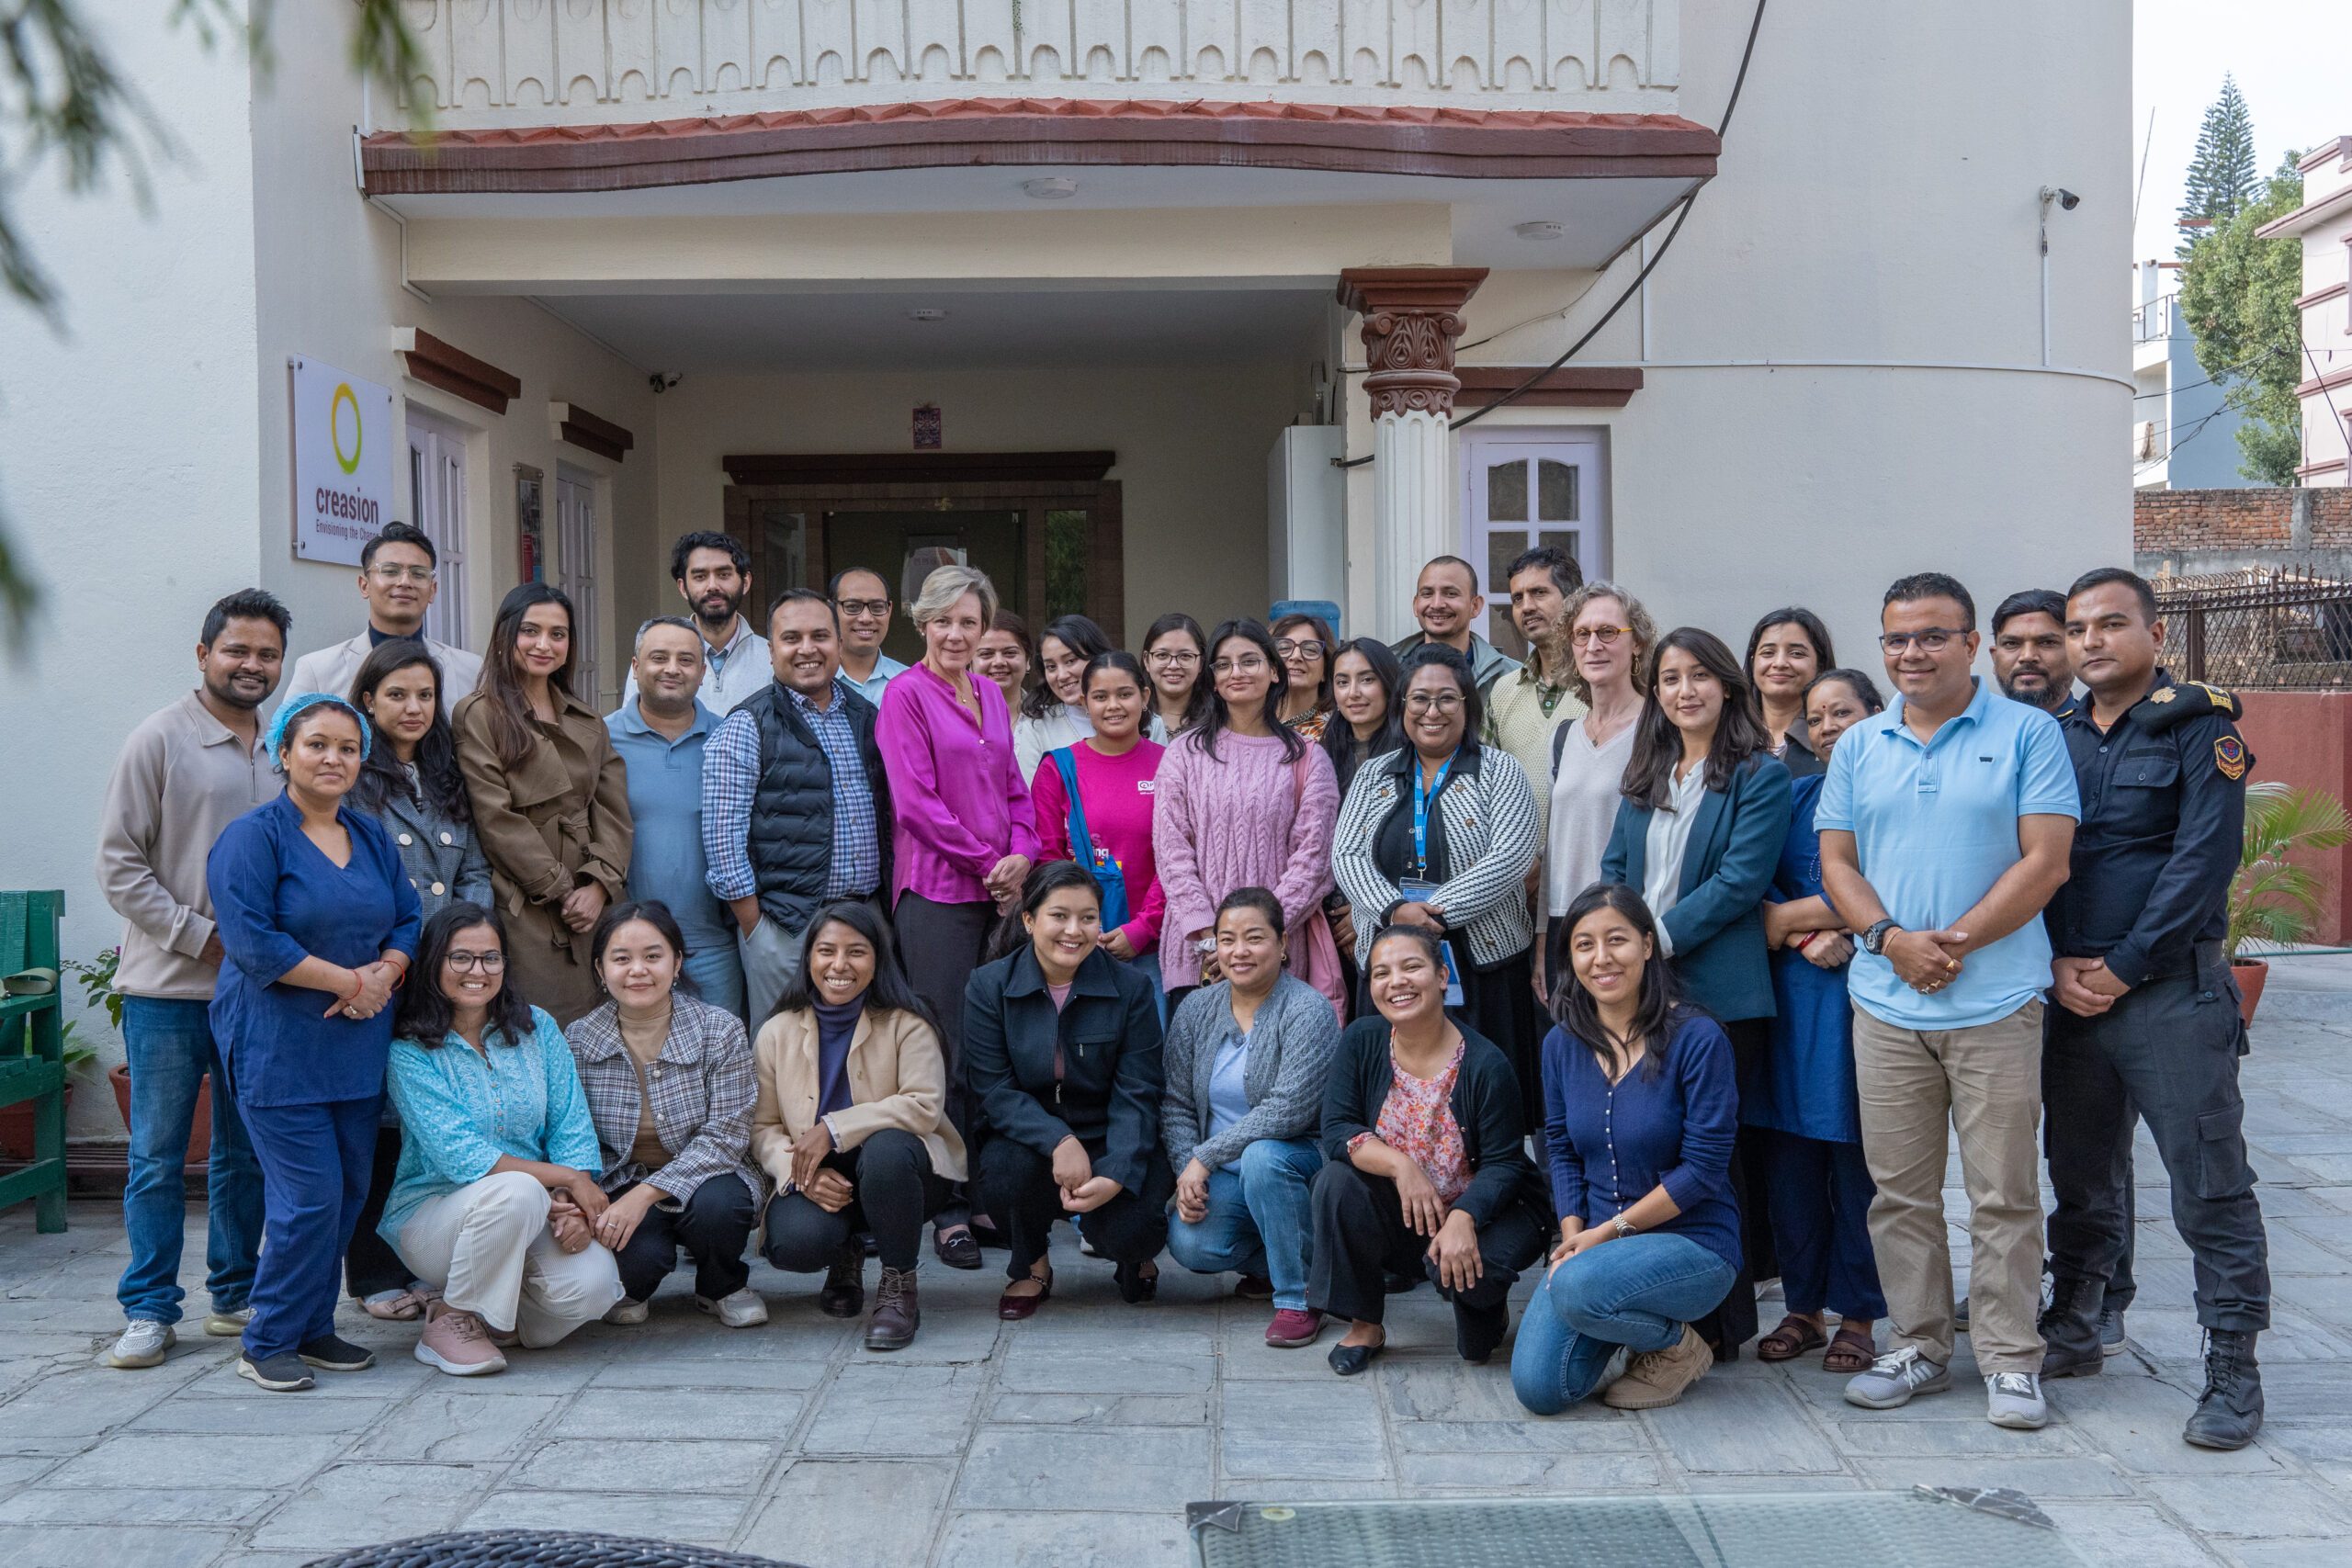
2270 630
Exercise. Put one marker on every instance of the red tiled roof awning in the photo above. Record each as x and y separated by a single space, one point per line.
963 133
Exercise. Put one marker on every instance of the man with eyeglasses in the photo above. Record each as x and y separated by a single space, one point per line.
1445 602
1946 822
397 572
713 572
864 600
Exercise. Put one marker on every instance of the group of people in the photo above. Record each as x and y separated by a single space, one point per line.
1329 964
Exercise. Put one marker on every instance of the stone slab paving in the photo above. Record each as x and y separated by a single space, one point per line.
1075 1439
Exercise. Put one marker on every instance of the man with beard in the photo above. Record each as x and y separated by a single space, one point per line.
661 735
2030 657
186 774
1445 602
398 571
714 577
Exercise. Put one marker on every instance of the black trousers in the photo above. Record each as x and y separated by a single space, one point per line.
712 1227
1017 1184
941 945
369 1264
1734 1323
893 1191
1361 1238
2169 1048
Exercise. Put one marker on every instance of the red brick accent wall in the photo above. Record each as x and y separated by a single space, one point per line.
2166 520
2332 518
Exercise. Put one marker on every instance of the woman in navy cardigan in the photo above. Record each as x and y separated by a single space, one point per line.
1699 832
319 925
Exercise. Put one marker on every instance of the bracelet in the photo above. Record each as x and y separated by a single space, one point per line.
1805 941
359 984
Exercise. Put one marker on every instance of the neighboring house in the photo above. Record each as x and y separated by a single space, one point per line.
2184 432
2324 224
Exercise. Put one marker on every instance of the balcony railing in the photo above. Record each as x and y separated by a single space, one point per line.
513 63
2155 318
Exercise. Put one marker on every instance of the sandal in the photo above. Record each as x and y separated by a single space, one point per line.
1850 1350
397 1306
1793 1338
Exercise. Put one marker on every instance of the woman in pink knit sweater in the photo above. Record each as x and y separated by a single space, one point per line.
1243 802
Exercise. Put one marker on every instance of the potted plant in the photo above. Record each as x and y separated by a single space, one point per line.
98 977
2274 900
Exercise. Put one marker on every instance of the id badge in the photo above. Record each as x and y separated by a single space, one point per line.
1414 890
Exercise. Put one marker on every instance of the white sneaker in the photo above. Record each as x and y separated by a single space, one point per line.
627 1313
2014 1399
738 1309
1894 1378
142 1344
227 1324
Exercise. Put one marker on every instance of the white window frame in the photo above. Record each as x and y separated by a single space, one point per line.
577 549
436 472
1583 447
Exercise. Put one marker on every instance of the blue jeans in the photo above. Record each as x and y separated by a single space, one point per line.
1637 1291
169 1046
1259 1220
717 971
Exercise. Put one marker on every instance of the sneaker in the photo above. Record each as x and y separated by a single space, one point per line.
1657 1378
2014 1399
332 1353
627 1313
227 1324
1293 1327
282 1374
2111 1330
1253 1287
1960 1315
142 1344
737 1309
1894 1378
458 1343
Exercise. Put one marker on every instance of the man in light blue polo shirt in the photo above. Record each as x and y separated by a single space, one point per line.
660 732
1945 826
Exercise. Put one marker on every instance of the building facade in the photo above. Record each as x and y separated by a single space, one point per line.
2324 224
1103 295
2183 432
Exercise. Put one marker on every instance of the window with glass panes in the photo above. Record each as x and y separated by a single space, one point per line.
1522 487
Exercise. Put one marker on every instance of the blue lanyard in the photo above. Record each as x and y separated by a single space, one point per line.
1422 810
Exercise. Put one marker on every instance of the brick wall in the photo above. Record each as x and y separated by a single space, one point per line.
2165 520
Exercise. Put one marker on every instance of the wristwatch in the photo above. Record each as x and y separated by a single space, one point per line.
1622 1226
1874 939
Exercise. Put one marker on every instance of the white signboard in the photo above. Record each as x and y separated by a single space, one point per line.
342 462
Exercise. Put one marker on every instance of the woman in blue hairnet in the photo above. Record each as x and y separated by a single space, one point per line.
319 925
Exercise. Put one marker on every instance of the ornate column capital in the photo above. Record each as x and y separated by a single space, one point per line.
1411 317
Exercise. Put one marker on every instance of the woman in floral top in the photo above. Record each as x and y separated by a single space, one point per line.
1424 1172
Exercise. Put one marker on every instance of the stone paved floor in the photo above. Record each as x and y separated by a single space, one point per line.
1077 1438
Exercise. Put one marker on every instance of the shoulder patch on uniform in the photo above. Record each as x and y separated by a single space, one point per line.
2229 756
2167 695
2222 701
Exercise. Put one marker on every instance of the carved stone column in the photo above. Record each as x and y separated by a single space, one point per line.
1411 317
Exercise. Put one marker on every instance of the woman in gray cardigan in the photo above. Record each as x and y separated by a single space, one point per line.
1245 1060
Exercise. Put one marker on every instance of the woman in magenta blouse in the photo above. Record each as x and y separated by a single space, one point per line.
1109 833
963 833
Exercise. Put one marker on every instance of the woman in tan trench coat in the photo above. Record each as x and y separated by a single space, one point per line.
550 800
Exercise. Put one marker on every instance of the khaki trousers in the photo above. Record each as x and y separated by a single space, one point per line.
1985 1081
488 1249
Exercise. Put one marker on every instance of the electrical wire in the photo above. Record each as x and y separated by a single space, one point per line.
2312 360
1681 213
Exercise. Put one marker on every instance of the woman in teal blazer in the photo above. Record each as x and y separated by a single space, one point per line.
1705 811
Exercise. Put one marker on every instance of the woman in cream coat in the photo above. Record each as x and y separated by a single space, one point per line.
852 1122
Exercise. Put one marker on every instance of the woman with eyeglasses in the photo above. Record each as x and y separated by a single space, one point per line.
1804 1108
1243 802
1005 657
1706 810
550 798
1609 637
1175 656
1304 645
1785 651
1054 715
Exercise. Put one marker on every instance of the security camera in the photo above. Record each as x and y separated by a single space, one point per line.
2065 198
662 380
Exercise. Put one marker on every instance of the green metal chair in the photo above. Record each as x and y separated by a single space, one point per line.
32 1047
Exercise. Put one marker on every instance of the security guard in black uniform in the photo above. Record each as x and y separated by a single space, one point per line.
2148 1013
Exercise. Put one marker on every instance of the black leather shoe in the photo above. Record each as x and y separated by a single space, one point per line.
2069 1327
2229 1412
1348 1361
1479 1330
330 1353
956 1247
844 1292
1136 1287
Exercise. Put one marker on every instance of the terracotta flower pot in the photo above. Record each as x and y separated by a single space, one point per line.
200 1134
2252 975
17 1126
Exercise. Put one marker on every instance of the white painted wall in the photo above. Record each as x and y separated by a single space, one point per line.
2327 322
1192 446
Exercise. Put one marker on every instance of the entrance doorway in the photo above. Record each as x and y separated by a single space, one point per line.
1043 526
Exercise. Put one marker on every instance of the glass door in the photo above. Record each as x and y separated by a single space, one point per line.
1524 488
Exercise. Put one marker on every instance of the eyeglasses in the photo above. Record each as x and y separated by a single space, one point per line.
1172 656
419 574
487 962
1604 635
859 607
1433 702
1249 665
1290 648
1934 639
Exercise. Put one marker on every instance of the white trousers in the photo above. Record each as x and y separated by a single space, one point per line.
488 1250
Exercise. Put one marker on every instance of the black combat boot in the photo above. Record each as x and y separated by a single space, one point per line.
2070 1329
2229 1412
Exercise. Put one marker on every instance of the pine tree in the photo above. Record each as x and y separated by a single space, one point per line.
2221 180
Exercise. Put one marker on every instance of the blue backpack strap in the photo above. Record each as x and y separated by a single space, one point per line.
1106 873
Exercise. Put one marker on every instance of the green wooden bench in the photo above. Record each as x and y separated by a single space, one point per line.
32 1049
